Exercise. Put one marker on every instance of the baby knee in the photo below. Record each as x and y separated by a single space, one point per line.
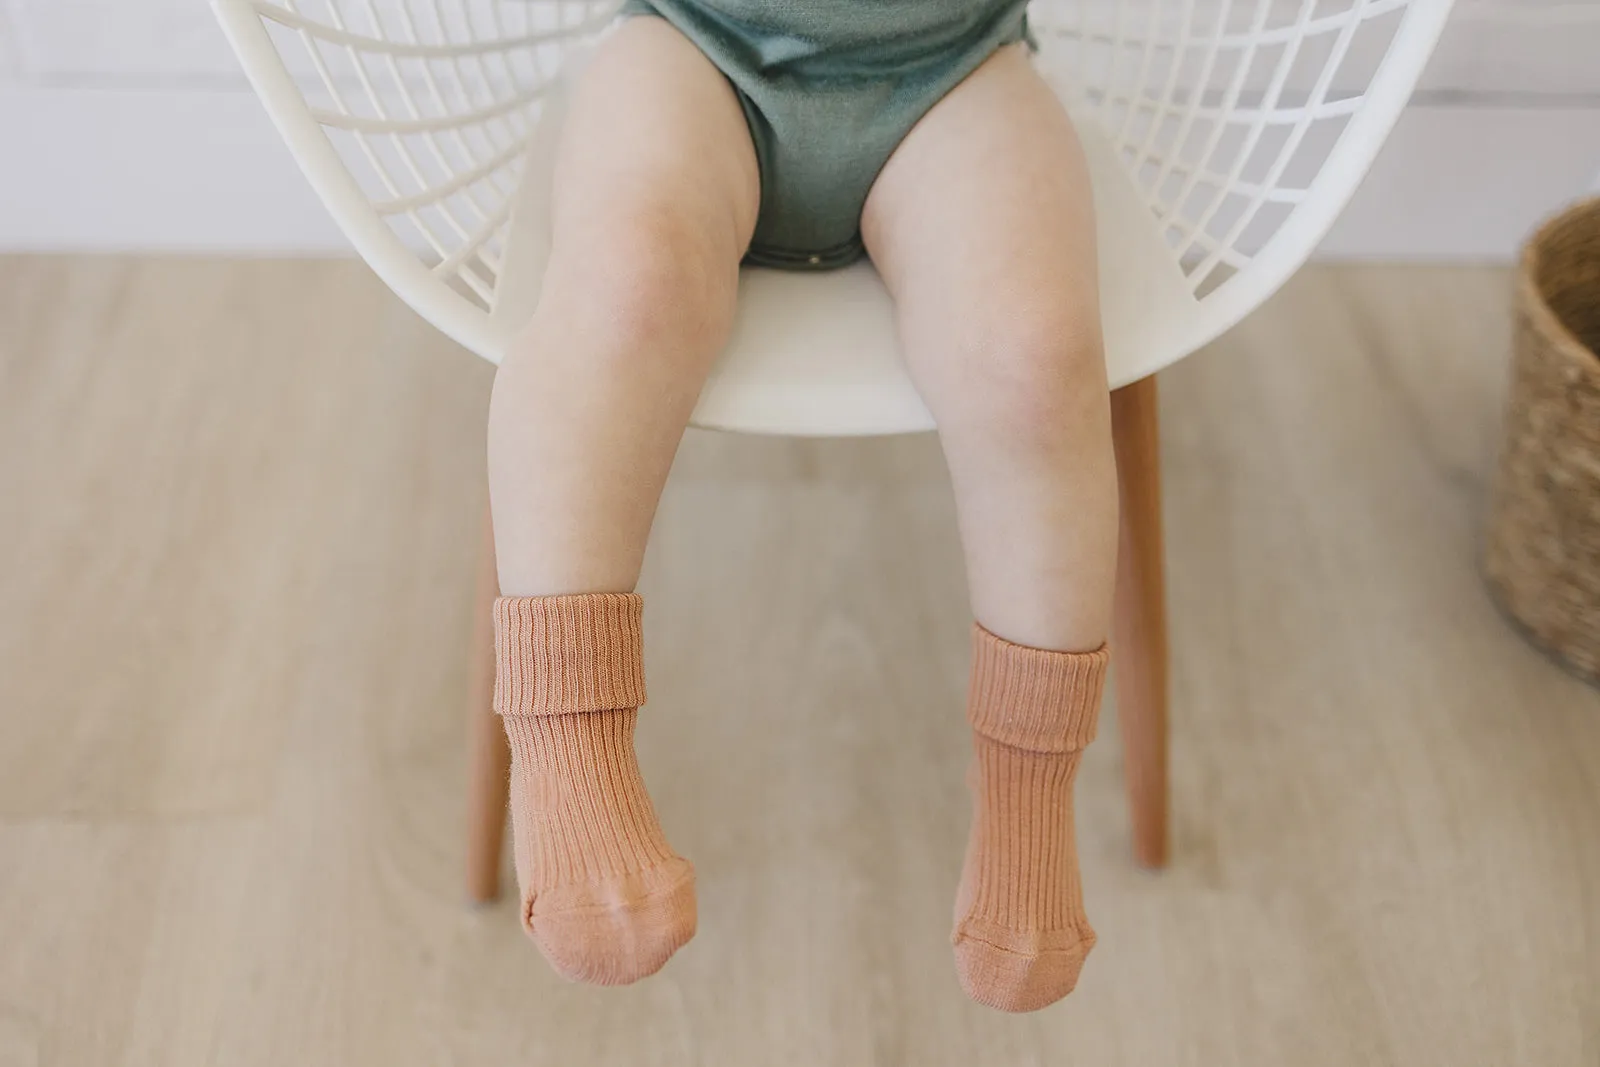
1033 377
646 279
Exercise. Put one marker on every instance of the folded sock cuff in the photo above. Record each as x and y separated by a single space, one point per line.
1032 698
560 654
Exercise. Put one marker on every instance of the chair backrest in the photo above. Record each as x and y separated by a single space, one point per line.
1245 126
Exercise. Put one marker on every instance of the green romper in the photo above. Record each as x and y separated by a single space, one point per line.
829 89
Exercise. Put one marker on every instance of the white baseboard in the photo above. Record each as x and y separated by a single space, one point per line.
1468 183
152 170
202 170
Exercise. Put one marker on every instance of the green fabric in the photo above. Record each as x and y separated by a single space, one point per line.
830 88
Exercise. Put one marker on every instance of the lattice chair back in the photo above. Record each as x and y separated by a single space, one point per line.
1224 138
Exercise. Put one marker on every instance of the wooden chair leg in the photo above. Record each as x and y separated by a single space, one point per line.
489 771
1140 622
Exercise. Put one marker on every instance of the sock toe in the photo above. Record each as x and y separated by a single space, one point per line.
617 931
1018 972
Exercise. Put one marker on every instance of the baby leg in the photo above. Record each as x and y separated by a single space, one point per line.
982 226
655 199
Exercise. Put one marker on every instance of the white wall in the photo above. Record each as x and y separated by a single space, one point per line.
1504 129
125 124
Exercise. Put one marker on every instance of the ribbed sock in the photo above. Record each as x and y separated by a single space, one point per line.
603 894
1021 934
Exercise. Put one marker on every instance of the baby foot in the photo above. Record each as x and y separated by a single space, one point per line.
1021 934
603 894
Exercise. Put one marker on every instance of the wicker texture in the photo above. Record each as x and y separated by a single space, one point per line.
1543 548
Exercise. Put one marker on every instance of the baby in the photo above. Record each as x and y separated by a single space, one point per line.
804 134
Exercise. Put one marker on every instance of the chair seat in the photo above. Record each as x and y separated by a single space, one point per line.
818 353
1249 144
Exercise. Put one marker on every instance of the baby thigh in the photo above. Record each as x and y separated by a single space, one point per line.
982 225
655 198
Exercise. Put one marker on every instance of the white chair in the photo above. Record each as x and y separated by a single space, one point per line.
1224 137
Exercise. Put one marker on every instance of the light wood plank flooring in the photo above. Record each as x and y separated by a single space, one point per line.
238 514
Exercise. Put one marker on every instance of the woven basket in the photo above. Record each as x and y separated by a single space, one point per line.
1543 553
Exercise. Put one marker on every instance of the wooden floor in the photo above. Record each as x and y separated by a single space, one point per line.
238 510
